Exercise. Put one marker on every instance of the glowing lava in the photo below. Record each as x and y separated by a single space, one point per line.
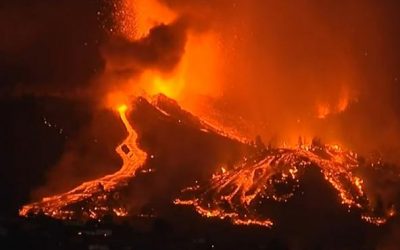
98 193
274 174
241 193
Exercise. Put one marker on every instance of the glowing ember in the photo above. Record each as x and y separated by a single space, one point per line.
99 193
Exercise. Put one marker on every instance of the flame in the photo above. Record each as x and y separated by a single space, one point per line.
324 109
234 193
223 170
116 99
231 193
198 66
170 85
122 109
134 19
343 104
195 76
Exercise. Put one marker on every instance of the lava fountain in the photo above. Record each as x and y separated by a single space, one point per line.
181 59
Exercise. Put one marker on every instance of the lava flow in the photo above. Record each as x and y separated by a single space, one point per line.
239 193
97 194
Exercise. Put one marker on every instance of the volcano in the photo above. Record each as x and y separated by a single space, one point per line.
158 125
172 157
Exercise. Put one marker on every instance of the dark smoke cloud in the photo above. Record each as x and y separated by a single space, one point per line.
282 56
161 49
67 50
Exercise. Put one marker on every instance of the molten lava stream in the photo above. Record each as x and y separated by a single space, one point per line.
97 190
236 193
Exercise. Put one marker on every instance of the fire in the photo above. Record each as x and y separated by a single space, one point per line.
235 193
170 85
134 20
223 170
198 66
343 104
114 100
196 75
324 109
122 109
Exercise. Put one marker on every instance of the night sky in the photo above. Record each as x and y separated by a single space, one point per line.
49 52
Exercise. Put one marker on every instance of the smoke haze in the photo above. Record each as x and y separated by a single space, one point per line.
306 68
279 69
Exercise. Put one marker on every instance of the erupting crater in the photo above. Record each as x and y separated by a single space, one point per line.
238 191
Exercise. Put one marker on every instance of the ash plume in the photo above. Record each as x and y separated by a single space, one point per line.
69 51
77 57
305 72
161 49
285 69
